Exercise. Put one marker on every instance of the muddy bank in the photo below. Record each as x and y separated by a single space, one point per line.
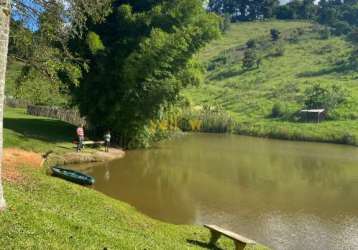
84 157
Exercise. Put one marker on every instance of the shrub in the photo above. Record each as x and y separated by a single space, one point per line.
277 110
208 119
349 139
251 44
217 62
275 34
341 28
250 59
353 36
300 31
328 98
278 51
325 33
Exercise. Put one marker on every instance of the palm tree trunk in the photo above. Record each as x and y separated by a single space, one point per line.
4 40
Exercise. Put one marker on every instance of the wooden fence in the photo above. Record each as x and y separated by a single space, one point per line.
67 115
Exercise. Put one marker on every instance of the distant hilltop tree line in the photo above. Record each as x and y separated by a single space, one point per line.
244 10
342 16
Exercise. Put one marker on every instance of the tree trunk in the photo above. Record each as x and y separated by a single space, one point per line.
4 40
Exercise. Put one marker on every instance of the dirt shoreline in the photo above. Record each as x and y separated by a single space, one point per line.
15 158
84 157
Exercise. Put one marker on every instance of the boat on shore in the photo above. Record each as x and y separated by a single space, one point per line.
73 176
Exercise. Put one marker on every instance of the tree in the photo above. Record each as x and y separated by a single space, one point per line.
143 58
341 28
353 37
297 9
307 9
328 98
4 39
74 17
244 9
250 59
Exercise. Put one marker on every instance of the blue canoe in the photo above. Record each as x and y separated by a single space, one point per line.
73 176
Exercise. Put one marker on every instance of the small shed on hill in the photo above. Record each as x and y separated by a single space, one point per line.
316 115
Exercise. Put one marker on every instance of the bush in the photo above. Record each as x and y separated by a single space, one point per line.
278 51
325 33
328 98
353 36
349 139
208 119
275 34
217 62
277 110
251 44
341 28
250 59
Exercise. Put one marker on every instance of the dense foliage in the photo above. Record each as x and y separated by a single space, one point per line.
340 15
39 35
244 10
328 98
297 9
139 58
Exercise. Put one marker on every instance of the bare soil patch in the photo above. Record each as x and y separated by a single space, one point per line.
15 158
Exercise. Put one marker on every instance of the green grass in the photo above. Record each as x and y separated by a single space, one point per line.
36 134
48 213
250 95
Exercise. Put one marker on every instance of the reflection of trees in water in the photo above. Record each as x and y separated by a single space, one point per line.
319 172
151 184
233 176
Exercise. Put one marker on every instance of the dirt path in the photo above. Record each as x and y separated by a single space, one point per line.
14 158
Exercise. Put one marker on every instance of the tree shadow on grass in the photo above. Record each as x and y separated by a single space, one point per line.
41 129
227 74
203 244
341 69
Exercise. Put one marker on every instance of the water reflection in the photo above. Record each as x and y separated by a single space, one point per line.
288 195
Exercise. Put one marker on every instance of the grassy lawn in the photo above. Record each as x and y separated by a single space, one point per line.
249 95
36 134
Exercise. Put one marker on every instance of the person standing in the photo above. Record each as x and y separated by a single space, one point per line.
107 140
81 137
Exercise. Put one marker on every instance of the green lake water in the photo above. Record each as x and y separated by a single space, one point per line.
286 195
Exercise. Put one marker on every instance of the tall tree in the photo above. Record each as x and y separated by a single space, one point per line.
74 16
4 41
244 9
140 58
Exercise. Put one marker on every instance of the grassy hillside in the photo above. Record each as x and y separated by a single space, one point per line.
249 95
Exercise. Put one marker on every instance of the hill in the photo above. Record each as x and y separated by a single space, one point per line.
301 58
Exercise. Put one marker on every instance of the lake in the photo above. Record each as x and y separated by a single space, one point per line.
286 195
